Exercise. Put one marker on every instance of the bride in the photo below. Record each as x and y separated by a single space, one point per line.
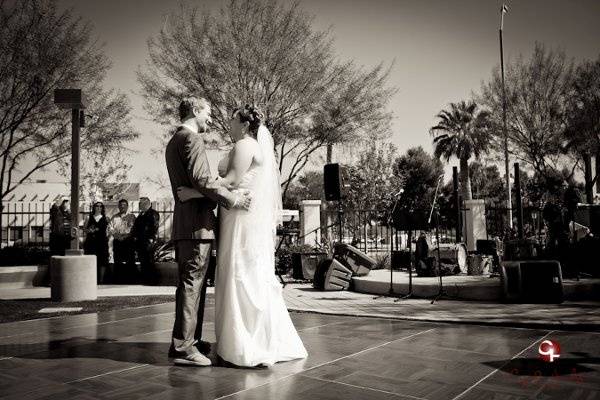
252 324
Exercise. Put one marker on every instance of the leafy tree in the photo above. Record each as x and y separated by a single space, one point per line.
267 54
537 97
370 183
419 173
487 183
462 132
309 186
41 49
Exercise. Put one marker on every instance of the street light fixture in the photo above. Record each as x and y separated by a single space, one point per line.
503 11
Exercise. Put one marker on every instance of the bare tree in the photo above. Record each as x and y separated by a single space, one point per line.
42 49
537 94
266 54
582 132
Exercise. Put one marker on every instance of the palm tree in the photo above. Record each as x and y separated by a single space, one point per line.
461 132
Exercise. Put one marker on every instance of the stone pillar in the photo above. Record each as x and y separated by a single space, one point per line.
474 226
310 221
73 278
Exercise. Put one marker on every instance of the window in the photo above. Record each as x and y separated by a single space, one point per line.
16 233
37 232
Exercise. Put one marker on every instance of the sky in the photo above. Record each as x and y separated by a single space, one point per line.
442 50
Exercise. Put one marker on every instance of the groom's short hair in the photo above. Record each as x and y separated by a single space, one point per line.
187 105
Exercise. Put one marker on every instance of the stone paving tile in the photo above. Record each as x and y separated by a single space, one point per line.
122 355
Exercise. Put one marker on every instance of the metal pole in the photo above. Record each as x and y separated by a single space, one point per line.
456 202
505 132
75 179
519 201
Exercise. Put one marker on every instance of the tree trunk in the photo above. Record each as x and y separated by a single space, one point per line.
465 180
329 153
1 225
589 179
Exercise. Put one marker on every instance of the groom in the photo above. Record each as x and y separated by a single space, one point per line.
194 225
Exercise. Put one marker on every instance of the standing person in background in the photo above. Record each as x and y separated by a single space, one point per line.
120 227
96 238
145 229
60 227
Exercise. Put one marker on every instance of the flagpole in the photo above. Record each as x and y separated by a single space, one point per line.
504 130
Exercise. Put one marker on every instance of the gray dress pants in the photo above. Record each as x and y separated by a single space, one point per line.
193 257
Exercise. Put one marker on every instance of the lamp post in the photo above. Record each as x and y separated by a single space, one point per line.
73 276
503 11
72 99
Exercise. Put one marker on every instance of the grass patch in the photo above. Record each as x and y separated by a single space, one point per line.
26 309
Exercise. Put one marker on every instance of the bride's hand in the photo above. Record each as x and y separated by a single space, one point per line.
185 193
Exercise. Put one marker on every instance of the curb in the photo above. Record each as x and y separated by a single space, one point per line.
544 325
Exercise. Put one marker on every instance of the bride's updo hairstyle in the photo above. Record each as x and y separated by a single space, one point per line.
251 115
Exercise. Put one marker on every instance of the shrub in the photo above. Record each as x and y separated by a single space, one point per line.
24 255
283 256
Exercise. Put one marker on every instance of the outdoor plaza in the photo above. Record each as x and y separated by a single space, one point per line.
359 348
400 197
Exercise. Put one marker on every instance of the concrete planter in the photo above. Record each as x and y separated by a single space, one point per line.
73 278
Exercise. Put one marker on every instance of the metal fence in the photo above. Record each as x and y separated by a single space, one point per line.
369 231
29 223
498 227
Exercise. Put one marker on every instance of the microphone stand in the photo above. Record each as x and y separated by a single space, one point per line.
441 291
389 224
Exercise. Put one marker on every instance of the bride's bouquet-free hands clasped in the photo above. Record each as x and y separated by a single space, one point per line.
242 195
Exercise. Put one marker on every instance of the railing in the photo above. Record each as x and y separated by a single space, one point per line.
29 223
498 227
368 230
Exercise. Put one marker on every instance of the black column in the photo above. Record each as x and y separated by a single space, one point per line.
456 203
519 200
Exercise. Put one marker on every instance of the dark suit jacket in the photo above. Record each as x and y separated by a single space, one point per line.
187 164
145 226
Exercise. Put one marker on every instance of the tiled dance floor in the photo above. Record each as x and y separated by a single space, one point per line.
122 355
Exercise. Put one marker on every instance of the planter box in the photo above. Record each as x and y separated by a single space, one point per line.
304 265
23 276
167 273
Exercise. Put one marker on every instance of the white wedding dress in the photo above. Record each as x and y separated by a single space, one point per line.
252 323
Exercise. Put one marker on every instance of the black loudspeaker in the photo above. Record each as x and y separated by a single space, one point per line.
358 262
332 275
416 220
486 247
536 281
589 215
521 249
332 182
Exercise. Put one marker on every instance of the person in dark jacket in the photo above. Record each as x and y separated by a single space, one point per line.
144 231
60 228
96 238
